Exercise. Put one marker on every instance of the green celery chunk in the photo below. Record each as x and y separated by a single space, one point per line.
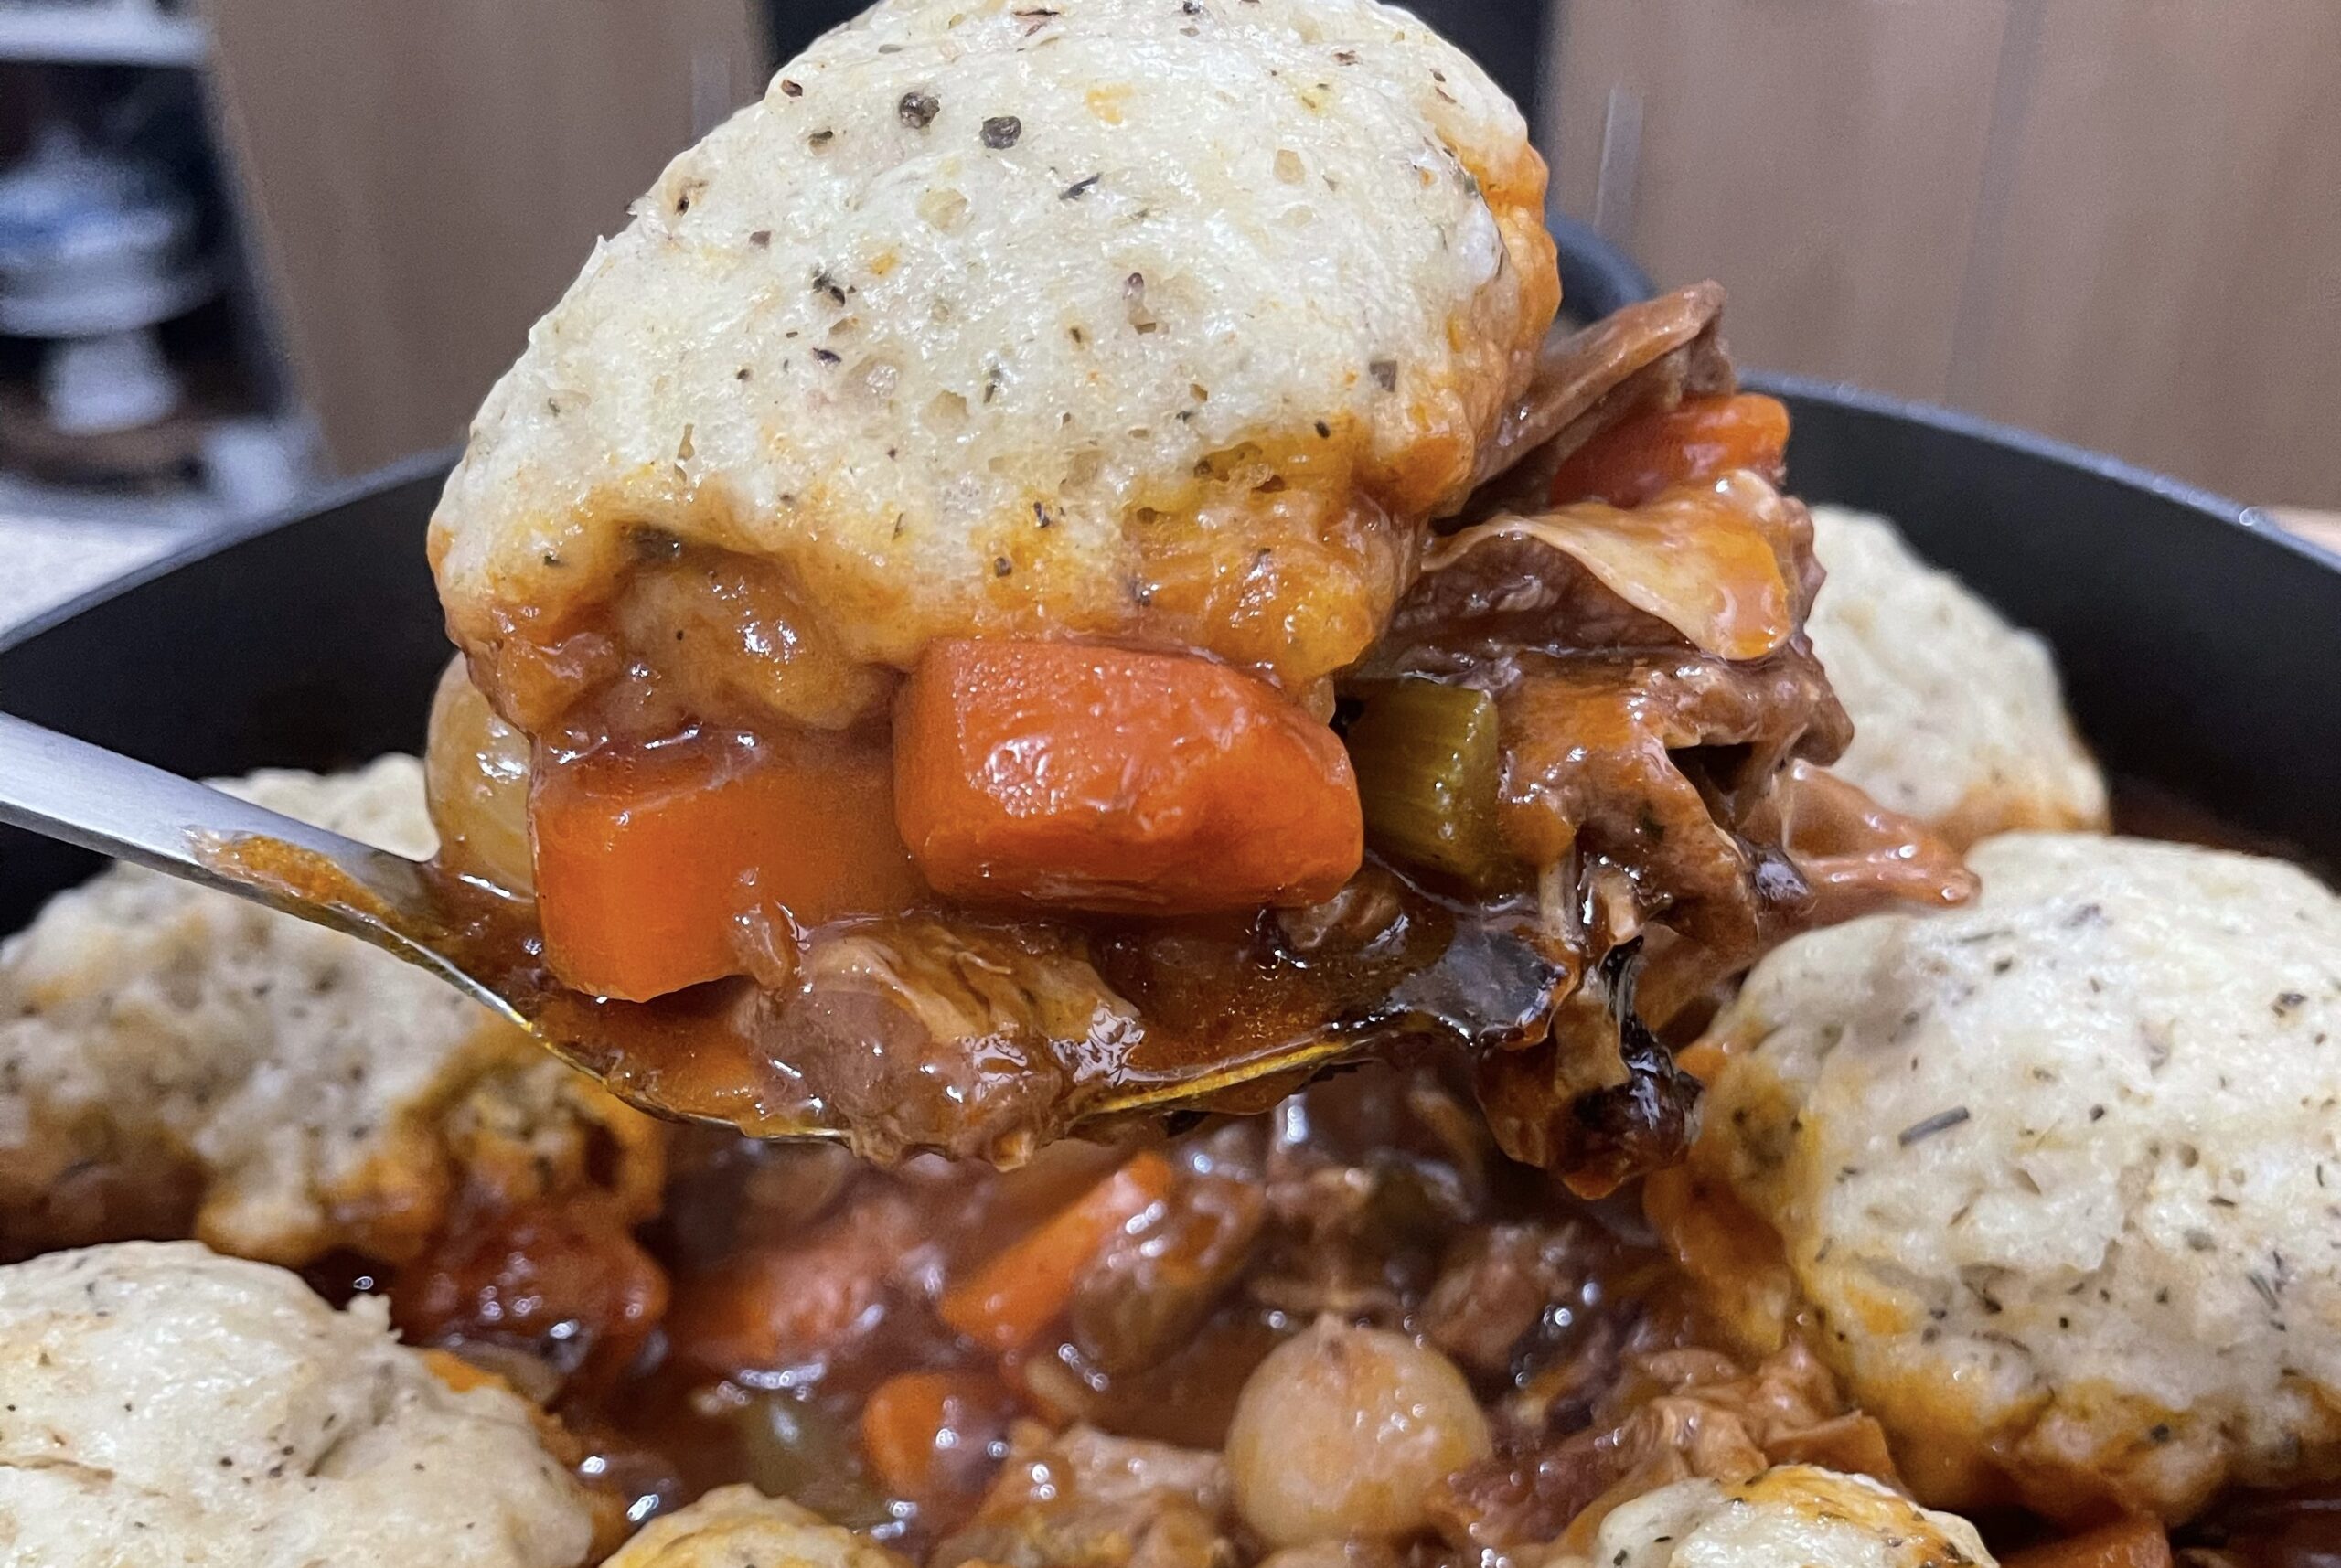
1428 761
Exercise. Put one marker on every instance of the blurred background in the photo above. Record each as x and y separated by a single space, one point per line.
251 246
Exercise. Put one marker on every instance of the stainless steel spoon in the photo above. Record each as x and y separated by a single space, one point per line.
84 795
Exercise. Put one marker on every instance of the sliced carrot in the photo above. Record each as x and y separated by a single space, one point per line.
1636 460
767 1308
2138 1543
1004 1305
1107 779
659 865
909 1421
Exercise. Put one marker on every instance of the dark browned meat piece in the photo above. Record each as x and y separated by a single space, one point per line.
1159 1279
1641 762
1500 1284
1659 351
947 1035
1663 721
1600 1100
1368 1177
561 1287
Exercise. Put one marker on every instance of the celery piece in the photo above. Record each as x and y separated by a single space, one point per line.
1426 759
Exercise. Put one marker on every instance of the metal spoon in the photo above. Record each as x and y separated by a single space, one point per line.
84 795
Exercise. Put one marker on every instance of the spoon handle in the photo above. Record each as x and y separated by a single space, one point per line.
84 795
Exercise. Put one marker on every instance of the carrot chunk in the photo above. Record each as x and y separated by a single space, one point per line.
661 867
802 1299
1004 1305
914 1421
1646 453
1105 778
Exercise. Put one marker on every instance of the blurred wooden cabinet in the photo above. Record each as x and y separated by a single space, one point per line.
427 175
2117 221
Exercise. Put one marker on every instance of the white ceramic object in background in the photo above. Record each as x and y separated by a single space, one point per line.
101 32
95 386
93 243
95 251
254 466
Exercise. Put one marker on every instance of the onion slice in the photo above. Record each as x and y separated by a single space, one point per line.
1704 559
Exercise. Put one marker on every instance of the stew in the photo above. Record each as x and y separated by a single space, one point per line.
1032 883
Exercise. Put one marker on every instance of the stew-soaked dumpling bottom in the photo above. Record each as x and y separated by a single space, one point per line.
734 1526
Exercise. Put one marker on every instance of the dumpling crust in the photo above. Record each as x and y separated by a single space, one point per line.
167 1405
735 1526
1794 1516
1958 718
2057 1176
1119 317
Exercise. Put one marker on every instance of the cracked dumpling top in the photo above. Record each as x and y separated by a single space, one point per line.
1794 1516
1164 320
737 1527
2057 1176
168 1404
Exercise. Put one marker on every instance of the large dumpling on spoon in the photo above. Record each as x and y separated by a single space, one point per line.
904 588
1121 318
